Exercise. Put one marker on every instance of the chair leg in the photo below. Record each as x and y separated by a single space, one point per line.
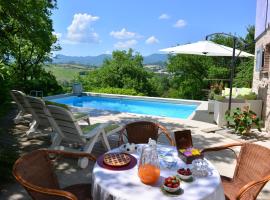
104 140
56 141
83 162
88 120
91 143
19 117
33 128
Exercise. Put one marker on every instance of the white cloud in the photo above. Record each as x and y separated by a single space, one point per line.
80 30
152 40
164 16
58 35
126 44
123 34
180 23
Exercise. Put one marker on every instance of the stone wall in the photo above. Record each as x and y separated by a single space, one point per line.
263 91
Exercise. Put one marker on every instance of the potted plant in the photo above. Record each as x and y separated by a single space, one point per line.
215 90
243 120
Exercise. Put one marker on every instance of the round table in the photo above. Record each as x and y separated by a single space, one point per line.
126 185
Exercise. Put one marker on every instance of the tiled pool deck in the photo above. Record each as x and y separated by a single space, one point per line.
69 173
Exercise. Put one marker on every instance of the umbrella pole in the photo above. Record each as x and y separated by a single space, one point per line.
232 74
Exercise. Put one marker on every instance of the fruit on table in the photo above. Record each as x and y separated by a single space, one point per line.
184 172
172 182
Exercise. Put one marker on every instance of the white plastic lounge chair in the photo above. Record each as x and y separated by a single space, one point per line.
24 108
68 130
78 115
40 115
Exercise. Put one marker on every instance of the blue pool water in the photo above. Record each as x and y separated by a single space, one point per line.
163 109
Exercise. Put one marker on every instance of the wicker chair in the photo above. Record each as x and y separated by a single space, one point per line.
34 171
252 171
183 139
140 132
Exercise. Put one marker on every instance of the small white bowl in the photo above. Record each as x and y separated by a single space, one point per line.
168 189
183 177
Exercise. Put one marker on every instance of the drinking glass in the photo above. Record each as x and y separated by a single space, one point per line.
200 167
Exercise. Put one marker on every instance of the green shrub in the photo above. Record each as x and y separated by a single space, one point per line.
219 97
250 96
111 90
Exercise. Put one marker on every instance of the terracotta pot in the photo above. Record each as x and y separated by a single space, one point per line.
247 131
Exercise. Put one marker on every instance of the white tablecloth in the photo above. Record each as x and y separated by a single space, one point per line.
126 185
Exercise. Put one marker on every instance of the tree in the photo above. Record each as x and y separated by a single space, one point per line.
125 70
188 74
26 38
249 39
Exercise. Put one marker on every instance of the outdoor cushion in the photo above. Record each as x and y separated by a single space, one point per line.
236 91
87 129
56 104
77 115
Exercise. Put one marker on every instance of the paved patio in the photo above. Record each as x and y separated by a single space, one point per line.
69 173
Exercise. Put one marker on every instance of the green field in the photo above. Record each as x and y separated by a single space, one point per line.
66 72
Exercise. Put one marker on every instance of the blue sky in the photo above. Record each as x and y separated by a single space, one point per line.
93 27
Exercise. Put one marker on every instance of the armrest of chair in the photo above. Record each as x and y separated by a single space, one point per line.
248 186
71 154
121 136
48 191
167 134
223 147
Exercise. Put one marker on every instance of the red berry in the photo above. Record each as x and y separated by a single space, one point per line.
169 185
175 185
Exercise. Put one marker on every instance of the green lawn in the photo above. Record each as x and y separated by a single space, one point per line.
66 72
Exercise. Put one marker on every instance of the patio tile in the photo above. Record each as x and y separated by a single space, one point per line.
69 173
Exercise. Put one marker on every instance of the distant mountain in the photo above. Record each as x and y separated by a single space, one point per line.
153 59
83 60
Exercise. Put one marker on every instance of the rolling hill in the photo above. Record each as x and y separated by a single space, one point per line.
153 59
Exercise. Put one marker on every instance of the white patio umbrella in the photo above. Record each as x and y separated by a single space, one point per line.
206 48
209 48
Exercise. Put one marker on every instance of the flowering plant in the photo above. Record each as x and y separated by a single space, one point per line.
190 152
215 89
243 120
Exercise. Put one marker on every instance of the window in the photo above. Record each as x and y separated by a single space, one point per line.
266 58
259 59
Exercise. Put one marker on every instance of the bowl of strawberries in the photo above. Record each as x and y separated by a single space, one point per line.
171 184
184 173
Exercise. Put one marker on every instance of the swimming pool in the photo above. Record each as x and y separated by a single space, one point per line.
147 107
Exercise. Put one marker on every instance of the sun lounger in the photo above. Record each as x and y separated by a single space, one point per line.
68 130
24 108
40 115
